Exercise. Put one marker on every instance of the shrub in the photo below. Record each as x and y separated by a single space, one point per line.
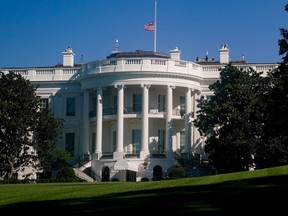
144 179
177 172
66 173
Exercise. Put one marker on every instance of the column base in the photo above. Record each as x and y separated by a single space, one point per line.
118 155
144 154
96 156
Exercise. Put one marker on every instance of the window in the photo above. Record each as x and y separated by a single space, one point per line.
115 104
161 141
136 141
114 140
182 141
137 103
182 105
70 143
93 142
70 106
208 97
44 103
161 103
93 105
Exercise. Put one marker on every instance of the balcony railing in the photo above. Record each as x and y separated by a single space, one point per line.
131 110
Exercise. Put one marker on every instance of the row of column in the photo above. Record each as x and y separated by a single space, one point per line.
118 154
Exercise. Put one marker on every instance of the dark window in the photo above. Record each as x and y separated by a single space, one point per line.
70 143
137 103
70 106
136 141
161 141
182 141
44 103
161 103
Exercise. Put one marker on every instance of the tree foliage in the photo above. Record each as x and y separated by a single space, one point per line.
48 130
246 120
28 134
232 118
18 120
274 151
66 173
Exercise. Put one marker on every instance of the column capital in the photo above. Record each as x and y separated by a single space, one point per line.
195 91
172 86
145 85
188 89
119 86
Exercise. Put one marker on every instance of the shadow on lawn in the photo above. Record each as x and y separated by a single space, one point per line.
258 195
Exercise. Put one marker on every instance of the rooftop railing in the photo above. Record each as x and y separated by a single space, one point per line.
133 65
46 74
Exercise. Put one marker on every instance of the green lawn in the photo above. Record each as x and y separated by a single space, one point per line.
259 191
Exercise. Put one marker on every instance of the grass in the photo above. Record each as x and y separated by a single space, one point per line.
259 191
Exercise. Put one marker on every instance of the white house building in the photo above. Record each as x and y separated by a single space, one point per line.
129 117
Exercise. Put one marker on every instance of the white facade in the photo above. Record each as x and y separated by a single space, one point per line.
129 117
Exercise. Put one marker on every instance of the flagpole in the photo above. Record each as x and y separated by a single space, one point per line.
155 23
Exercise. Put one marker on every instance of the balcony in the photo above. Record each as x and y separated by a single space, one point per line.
130 110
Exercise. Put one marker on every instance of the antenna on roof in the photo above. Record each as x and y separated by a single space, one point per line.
116 45
82 59
117 50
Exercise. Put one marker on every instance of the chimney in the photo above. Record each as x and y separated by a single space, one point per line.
68 57
224 54
175 54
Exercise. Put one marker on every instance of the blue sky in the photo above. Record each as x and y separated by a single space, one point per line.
33 33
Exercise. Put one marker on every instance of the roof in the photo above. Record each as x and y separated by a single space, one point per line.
137 53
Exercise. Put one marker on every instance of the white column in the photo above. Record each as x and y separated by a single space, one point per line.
195 94
85 128
188 113
99 123
145 121
169 129
120 123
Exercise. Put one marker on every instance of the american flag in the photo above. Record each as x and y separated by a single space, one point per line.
149 26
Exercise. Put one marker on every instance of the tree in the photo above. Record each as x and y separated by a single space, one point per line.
274 151
28 134
231 120
18 120
177 172
49 156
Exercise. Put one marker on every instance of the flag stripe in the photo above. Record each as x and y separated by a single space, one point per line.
149 26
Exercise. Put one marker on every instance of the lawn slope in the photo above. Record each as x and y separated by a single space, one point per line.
259 191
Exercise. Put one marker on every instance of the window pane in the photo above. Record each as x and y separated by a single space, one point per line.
69 143
182 105
93 142
161 141
44 103
137 103
136 141
70 106
161 103
182 141
115 104
114 140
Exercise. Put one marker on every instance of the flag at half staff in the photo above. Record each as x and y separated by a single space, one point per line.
149 26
